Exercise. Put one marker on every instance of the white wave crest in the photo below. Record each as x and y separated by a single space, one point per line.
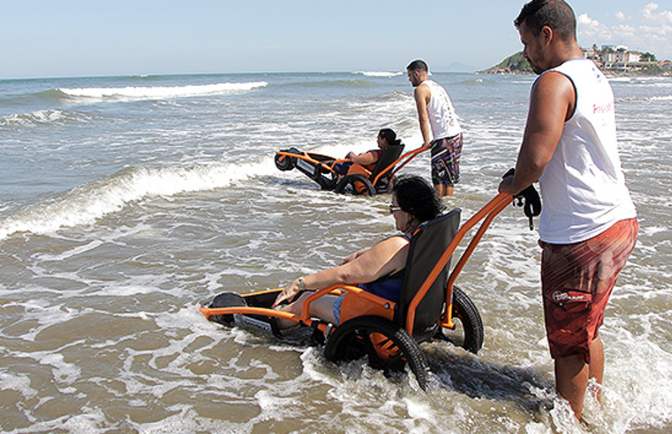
379 73
620 79
138 93
38 117
87 203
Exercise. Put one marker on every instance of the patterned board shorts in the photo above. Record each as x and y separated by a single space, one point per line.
577 280
446 160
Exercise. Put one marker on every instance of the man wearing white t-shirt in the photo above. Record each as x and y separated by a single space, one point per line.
588 226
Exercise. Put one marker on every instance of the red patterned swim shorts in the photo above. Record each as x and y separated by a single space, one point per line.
577 280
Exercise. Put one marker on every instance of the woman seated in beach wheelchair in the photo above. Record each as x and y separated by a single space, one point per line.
367 173
379 302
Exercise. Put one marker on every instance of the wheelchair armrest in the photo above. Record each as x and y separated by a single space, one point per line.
358 302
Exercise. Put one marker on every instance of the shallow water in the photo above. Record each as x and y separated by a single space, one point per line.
123 210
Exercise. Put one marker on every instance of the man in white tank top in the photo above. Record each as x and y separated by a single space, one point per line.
588 226
439 126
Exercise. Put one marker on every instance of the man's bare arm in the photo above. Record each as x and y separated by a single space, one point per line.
422 95
551 104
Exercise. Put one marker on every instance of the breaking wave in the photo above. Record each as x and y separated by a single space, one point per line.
89 202
379 73
42 117
140 93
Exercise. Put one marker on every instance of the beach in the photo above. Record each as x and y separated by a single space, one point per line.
126 203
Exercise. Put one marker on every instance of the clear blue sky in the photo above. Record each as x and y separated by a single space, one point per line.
53 38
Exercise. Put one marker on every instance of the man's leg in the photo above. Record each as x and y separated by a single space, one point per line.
572 375
571 380
444 190
596 367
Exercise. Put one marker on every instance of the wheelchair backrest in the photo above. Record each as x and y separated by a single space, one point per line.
387 157
426 247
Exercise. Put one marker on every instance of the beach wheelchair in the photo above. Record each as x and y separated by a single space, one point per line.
324 169
388 333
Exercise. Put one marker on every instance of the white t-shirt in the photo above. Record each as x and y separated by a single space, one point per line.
442 118
583 187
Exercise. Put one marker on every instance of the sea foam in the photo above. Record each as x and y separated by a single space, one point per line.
41 117
140 93
379 73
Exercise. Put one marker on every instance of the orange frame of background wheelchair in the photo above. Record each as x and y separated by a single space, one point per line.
406 158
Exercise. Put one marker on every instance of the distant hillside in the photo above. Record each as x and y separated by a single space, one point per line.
514 64
613 62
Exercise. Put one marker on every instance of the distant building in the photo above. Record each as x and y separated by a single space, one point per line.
593 54
617 58
625 56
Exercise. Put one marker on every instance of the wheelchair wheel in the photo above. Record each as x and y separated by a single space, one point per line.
284 162
387 346
226 299
468 331
355 184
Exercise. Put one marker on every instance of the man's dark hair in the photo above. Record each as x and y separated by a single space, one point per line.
417 197
556 14
418 65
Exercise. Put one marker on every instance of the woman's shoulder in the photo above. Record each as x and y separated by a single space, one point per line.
399 239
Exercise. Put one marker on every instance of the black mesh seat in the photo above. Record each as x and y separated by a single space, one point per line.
426 248
387 158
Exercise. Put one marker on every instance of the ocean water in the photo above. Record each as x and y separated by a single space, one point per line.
128 202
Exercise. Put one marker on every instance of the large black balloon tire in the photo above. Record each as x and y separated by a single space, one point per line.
347 185
352 341
469 326
284 162
226 299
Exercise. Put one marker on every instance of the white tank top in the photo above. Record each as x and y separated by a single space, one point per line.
442 118
583 187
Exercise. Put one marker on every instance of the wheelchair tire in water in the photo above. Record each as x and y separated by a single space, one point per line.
387 346
468 332
355 184
226 299
284 162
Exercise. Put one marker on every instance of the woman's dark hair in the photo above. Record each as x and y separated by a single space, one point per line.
556 14
390 136
417 197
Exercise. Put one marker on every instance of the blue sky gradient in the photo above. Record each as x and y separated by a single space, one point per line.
46 38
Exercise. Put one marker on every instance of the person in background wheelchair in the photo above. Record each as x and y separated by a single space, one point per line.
379 269
386 137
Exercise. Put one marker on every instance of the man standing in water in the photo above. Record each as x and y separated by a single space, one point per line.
439 127
588 226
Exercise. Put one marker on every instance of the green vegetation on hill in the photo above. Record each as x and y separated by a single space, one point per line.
514 64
